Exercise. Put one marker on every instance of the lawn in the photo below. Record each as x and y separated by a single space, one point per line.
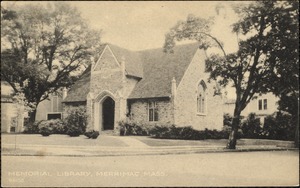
116 141
173 142
62 140
210 142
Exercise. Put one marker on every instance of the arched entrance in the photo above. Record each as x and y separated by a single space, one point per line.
108 114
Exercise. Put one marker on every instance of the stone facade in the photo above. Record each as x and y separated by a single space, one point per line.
139 112
108 79
186 98
111 82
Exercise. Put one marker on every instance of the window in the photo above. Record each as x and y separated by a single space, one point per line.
265 104
201 98
262 104
53 116
259 104
152 111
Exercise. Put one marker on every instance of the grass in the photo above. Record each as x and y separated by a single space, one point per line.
116 141
62 140
175 142
213 142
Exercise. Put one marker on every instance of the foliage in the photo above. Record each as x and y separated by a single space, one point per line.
227 120
132 128
251 127
170 131
268 38
74 131
92 134
187 133
279 126
45 131
31 127
54 126
47 47
76 122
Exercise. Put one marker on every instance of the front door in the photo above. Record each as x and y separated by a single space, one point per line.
108 114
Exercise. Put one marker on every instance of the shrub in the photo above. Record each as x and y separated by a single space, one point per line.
45 131
32 127
226 131
76 122
74 131
187 133
92 134
279 126
55 126
171 131
251 127
227 120
131 128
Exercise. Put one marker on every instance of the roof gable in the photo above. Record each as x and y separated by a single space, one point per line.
160 68
133 62
155 67
78 92
108 60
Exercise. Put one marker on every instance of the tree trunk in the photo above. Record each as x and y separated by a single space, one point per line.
297 135
233 135
32 116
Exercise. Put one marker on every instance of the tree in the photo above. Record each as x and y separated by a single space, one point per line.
44 49
261 56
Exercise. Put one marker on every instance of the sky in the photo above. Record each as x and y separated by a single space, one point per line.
142 25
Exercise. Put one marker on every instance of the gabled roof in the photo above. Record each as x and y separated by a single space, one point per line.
133 63
155 67
80 89
160 68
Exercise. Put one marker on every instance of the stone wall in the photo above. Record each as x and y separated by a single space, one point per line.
139 111
186 98
108 80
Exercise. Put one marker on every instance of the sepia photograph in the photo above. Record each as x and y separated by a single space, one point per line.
150 93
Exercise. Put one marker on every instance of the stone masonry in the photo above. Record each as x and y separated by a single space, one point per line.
186 98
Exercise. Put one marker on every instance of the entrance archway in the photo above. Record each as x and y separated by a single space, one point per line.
108 114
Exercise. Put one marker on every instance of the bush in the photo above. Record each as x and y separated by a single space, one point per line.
279 126
45 131
92 134
186 133
227 120
131 128
54 126
76 122
251 127
32 127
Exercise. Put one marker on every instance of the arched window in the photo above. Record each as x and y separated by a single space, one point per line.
201 98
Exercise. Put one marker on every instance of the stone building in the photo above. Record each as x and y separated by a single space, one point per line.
147 87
